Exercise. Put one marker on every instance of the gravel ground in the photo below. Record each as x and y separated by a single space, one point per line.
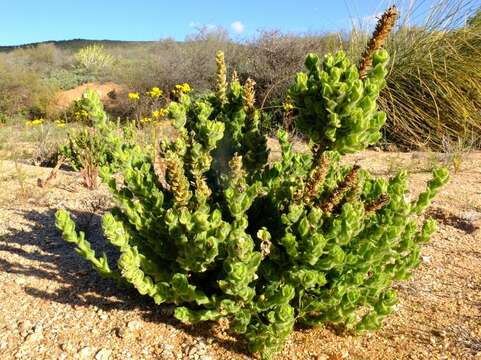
53 306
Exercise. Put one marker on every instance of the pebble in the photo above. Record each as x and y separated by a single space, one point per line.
129 330
196 351
206 357
84 353
20 281
37 333
24 327
66 347
134 325
103 354
167 351
426 259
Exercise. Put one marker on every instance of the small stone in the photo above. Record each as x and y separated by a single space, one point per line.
166 351
206 357
192 350
37 333
103 316
66 347
168 347
129 330
103 354
426 259
134 325
20 281
84 353
25 326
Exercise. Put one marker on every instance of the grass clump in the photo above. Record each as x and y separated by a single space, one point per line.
433 90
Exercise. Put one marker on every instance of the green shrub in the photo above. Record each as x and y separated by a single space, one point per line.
68 79
92 144
23 90
206 223
93 58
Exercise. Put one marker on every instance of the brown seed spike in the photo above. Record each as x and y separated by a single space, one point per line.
316 180
383 28
349 182
160 167
377 204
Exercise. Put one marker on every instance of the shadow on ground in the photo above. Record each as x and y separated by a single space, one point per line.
49 257
42 253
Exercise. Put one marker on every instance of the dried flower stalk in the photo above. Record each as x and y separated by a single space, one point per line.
383 28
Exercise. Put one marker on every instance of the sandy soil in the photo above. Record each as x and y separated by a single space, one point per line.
108 92
53 306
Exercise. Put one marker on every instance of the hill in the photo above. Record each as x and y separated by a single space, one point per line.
75 44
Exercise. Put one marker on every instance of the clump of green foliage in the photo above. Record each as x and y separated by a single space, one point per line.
93 58
94 144
208 224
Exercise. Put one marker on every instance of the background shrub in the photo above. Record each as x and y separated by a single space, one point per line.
432 94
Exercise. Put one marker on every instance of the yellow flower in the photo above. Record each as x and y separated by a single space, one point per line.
183 88
155 92
287 106
34 122
81 114
134 96
159 113
145 120
60 123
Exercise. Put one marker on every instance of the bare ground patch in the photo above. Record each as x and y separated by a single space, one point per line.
54 306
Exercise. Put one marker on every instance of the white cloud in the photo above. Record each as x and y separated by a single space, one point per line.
237 27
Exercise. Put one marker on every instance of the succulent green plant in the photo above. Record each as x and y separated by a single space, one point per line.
208 224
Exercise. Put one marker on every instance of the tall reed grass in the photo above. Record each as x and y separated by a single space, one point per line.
433 92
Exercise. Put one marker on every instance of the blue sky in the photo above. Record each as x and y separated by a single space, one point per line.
25 21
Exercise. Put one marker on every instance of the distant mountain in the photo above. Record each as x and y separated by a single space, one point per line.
76 44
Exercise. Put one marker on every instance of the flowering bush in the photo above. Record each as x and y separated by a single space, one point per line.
34 122
183 88
134 96
94 146
148 109
155 92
